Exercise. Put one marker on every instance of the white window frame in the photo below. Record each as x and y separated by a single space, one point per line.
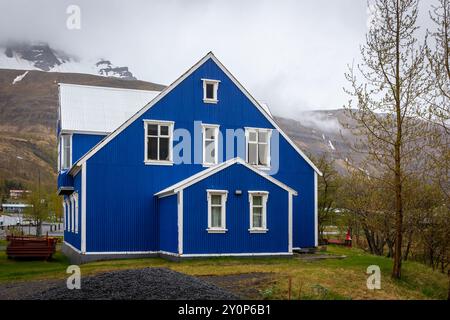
247 142
215 83
265 197
68 209
224 195
65 214
62 153
72 213
75 199
215 127
159 123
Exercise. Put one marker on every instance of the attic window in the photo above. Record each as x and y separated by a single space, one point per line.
210 88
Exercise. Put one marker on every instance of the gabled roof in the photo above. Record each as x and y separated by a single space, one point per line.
183 184
167 90
98 109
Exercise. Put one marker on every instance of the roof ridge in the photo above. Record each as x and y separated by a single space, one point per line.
62 84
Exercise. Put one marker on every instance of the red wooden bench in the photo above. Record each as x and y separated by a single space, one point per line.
31 247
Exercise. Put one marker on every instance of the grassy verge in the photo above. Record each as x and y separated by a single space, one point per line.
324 279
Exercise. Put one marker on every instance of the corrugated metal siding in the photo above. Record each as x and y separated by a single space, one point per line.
82 143
65 179
121 212
168 224
99 109
71 237
237 239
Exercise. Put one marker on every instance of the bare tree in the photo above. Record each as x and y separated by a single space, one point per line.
328 183
387 101
438 55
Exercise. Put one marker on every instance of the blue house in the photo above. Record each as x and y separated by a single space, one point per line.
199 169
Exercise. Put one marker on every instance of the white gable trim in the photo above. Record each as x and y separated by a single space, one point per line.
183 184
102 143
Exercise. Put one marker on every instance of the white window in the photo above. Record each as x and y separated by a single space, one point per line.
75 199
258 211
210 144
217 211
210 88
68 210
65 214
158 142
258 146
72 213
66 151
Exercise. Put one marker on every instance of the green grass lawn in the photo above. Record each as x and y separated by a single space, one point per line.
324 279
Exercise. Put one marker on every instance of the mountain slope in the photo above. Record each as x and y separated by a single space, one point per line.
28 114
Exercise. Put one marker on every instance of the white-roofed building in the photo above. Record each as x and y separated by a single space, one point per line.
98 109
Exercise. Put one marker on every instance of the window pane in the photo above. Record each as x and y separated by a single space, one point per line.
152 129
262 154
210 133
257 217
216 217
152 148
164 148
210 152
216 199
252 153
209 91
252 136
263 136
257 200
65 151
164 130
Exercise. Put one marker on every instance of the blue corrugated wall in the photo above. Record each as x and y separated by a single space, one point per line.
82 143
121 208
71 237
237 239
168 223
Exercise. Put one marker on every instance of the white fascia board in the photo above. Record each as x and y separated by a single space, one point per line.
100 133
163 93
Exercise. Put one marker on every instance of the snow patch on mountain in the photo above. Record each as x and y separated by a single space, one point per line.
331 145
19 78
44 58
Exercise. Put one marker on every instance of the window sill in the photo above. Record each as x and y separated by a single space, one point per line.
259 167
217 230
209 165
158 163
214 101
258 230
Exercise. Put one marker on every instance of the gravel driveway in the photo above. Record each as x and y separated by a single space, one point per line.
147 284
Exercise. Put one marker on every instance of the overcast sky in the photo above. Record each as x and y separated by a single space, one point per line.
290 54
